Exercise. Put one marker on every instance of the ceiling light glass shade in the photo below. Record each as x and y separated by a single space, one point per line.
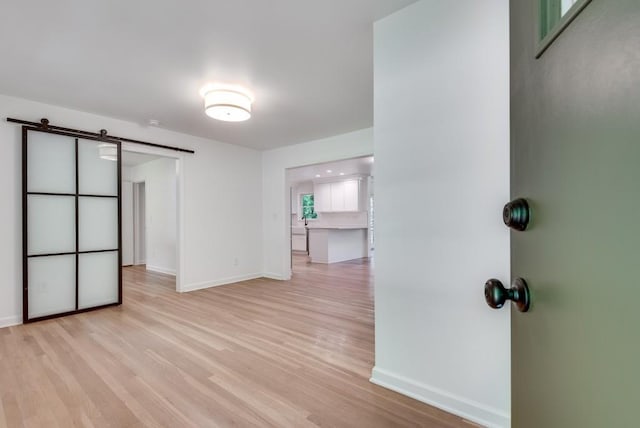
227 105
108 151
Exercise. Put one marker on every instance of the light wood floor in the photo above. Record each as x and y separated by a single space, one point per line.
257 353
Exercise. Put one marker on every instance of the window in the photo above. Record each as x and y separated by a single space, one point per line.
565 5
306 201
553 17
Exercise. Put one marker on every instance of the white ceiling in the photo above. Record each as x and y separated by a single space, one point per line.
360 166
135 159
309 63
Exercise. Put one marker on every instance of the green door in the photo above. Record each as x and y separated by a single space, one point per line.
575 155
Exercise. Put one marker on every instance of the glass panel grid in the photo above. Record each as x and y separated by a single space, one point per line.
57 261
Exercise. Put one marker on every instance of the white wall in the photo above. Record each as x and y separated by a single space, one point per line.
222 194
275 191
299 189
140 215
127 220
160 181
441 104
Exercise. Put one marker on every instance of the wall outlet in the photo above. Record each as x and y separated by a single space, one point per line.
235 261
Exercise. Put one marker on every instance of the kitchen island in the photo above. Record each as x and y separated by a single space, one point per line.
332 244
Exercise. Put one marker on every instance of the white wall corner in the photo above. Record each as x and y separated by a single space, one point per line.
276 276
452 403
160 269
225 281
10 321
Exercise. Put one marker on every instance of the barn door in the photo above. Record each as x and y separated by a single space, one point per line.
71 223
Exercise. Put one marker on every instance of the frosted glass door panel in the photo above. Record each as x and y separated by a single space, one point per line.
98 224
52 285
52 224
51 163
97 279
97 176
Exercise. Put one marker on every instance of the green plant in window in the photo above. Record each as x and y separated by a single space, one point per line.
307 206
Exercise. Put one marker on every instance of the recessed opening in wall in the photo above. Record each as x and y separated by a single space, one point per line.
150 235
331 217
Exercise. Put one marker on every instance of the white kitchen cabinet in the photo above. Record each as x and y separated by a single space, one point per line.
298 238
332 245
351 195
322 197
339 196
299 243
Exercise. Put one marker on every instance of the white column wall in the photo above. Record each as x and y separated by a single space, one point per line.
442 176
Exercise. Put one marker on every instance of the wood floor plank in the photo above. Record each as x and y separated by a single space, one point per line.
270 353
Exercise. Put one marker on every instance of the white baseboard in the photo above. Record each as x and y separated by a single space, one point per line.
208 284
10 321
160 269
452 403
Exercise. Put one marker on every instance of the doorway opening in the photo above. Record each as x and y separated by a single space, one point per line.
150 214
139 224
331 217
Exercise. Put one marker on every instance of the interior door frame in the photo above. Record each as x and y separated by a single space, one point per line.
179 157
127 222
139 223
287 256
25 235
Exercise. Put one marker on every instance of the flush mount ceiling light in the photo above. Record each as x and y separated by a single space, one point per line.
108 151
227 103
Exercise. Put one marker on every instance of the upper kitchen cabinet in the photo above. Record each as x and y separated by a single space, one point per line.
351 195
339 196
322 197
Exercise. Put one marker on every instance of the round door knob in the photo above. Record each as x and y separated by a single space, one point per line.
516 214
496 295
